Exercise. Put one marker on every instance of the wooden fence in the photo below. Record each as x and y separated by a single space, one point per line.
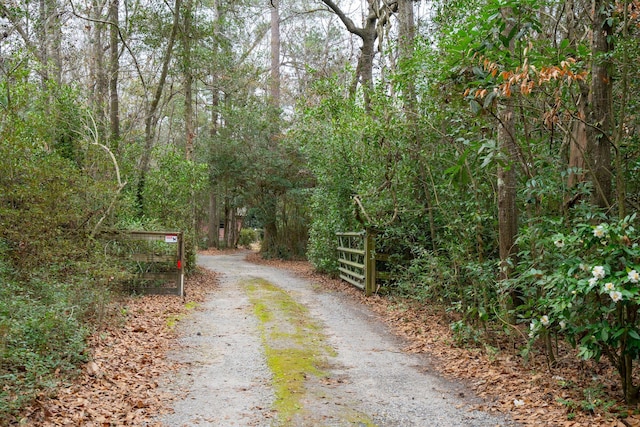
357 260
155 259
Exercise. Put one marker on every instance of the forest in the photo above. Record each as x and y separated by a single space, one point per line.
492 146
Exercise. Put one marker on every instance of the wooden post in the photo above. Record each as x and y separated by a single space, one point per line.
369 263
181 263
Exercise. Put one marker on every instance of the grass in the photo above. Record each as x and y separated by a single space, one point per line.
294 344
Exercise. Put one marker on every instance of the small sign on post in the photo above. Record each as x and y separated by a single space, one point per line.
171 238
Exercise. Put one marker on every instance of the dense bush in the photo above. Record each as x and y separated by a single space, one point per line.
584 283
55 280
248 236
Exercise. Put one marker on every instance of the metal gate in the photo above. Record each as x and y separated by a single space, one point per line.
154 258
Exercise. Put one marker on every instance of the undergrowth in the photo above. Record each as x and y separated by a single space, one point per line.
44 323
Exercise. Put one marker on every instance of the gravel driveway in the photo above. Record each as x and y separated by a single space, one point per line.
363 380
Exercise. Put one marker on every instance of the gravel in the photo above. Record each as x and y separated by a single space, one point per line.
226 381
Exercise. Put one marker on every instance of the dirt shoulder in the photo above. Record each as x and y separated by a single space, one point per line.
119 385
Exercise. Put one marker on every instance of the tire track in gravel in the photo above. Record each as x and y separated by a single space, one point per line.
365 381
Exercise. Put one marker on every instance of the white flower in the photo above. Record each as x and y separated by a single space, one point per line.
598 272
608 287
604 242
574 292
584 267
518 402
532 326
616 296
563 324
545 320
559 243
633 276
593 281
599 231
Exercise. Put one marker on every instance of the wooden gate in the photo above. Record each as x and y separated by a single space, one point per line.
154 258
357 260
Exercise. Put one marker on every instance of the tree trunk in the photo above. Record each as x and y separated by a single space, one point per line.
507 183
577 147
274 89
54 45
42 35
99 75
600 122
114 70
507 210
188 80
270 201
151 119
406 36
365 62
214 221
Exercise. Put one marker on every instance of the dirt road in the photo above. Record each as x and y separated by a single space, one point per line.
271 349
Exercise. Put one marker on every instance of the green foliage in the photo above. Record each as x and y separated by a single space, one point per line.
169 194
594 401
248 236
54 281
582 282
42 339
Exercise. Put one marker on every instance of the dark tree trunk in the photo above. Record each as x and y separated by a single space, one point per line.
599 119
507 182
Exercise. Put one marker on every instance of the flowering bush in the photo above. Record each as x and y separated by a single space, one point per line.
587 285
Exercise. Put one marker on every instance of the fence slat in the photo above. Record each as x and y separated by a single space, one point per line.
357 260
352 273
351 263
351 250
353 282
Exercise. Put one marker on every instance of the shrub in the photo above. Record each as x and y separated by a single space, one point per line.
585 284
248 236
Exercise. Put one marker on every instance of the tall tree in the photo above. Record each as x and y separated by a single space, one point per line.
98 75
377 16
507 182
151 119
114 70
269 195
187 37
600 111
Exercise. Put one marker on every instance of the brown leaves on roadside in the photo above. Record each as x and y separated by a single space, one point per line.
118 386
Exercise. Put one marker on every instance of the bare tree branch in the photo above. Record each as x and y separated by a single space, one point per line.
122 39
344 18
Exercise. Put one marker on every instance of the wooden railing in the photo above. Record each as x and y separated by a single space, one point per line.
357 260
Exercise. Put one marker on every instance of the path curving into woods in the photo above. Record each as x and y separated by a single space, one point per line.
272 349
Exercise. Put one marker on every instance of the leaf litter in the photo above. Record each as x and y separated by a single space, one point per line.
119 385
